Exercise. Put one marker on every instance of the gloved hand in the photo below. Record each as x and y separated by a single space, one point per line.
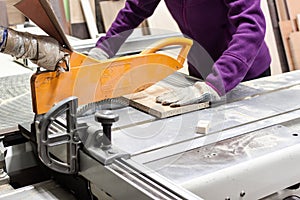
44 51
197 93
98 54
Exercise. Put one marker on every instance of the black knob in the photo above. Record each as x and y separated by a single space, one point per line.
106 118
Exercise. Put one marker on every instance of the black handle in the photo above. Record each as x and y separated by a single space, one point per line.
106 118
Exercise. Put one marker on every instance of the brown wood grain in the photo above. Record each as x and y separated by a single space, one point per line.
145 101
3 14
14 15
286 29
76 13
294 42
109 10
293 7
281 10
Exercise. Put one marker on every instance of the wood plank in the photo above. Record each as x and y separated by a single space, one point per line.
89 18
294 42
99 20
286 29
275 65
14 15
145 101
298 21
76 12
3 14
110 10
293 7
281 10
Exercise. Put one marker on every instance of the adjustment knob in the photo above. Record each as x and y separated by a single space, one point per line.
106 118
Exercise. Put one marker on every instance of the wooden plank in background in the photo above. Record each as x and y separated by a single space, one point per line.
14 15
109 10
281 10
89 18
99 20
294 42
298 21
270 38
293 7
76 13
3 14
77 22
286 29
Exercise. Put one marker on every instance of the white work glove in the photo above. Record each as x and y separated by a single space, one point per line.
197 93
98 54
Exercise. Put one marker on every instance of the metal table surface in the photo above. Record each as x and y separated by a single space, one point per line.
248 105
15 102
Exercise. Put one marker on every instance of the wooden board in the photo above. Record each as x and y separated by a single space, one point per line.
271 40
281 10
76 13
89 18
145 101
294 42
286 29
298 21
109 10
3 14
14 16
293 7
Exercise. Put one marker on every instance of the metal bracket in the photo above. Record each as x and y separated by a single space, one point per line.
58 127
92 139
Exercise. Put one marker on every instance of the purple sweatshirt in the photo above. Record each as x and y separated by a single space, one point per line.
231 31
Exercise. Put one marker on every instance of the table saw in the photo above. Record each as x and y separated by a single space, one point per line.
98 146
250 152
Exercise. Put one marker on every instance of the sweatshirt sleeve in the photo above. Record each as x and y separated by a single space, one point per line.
128 18
248 20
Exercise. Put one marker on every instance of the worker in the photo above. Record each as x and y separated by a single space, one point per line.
231 31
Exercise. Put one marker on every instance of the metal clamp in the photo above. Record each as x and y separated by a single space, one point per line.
58 127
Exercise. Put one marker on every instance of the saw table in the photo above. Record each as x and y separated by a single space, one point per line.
251 150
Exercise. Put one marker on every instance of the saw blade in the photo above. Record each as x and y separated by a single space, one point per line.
106 104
